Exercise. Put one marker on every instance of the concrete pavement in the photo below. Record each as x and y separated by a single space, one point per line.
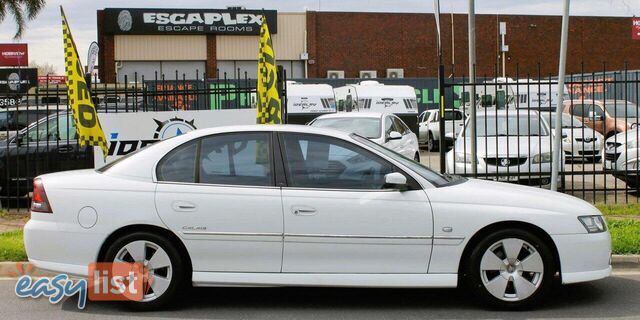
614 297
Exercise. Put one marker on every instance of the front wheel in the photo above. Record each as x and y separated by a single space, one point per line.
511 269
166 270
432 145
416 158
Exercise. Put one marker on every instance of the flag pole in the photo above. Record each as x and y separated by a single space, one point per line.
556 152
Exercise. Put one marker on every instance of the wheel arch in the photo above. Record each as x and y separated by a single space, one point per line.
485 231
151 229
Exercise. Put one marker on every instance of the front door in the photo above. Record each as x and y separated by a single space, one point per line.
338 216
218 194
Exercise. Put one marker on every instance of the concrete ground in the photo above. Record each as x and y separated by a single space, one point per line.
611 298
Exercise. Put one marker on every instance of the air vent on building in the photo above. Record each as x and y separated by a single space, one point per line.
335 74
236 8
395 73
368 74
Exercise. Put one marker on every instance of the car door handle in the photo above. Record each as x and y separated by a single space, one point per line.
183 206
303 211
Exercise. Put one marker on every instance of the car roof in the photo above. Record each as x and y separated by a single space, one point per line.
355 114
270 128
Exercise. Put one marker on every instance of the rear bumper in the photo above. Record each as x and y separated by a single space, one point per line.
60 251
584 257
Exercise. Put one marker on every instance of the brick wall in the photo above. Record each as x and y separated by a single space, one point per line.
106 55
376 41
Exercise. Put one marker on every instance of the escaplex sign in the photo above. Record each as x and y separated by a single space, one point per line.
187 21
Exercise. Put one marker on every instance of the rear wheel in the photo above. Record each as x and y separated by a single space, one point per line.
511 269
166 271
416 158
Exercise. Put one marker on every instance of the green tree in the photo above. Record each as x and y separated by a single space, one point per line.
22 11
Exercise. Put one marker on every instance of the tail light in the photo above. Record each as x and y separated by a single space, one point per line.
39 201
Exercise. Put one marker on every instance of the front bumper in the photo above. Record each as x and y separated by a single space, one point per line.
526 173
584 257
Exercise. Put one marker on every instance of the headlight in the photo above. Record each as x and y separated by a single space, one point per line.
463 157
593 224
541 158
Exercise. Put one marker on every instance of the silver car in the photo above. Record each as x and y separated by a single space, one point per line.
578 141
622 156
512 146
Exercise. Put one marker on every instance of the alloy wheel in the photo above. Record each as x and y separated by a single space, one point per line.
157 264
511 269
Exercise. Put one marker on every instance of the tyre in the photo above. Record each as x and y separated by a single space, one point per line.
432 145
416 158
161 259
511 269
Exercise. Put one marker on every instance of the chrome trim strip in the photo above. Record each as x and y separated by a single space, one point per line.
313 235
214 233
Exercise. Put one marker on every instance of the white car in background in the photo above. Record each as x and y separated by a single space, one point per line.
383 128
429 126
622 157
284 205
578 141
512 146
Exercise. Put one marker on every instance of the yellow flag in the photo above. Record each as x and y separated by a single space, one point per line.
269 103
84 112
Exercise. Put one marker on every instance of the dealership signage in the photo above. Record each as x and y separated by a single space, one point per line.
635 29
16 81
52 79
127 132
187 21
14 54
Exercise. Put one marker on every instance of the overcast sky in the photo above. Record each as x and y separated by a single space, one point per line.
44 34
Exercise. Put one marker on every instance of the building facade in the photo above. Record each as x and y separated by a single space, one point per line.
181 43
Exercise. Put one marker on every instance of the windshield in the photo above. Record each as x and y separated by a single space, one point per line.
622 109
568 121
452 115
435 178
367 127
511 125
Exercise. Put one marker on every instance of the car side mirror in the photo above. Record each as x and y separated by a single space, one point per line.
19 138
395 180
394 135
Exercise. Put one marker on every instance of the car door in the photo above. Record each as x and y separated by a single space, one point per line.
67 151
218 194
339 218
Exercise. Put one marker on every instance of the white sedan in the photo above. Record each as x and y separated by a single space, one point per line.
383 128
304 206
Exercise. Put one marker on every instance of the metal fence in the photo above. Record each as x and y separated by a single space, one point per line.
515 121
514 125
38 136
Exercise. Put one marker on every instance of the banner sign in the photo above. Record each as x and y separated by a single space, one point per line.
52 79
17 81
177 95
14 54
129 131
269 105
84 112
92 56
635 29
186 21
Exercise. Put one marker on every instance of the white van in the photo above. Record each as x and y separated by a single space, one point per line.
502 93
374 96
310 98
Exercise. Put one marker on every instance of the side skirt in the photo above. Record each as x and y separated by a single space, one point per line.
210 279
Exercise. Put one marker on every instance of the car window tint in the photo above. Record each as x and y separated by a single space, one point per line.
236 159
179 165
388 126
400 127
322 162
66 128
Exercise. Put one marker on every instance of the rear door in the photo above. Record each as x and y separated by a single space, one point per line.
218 194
